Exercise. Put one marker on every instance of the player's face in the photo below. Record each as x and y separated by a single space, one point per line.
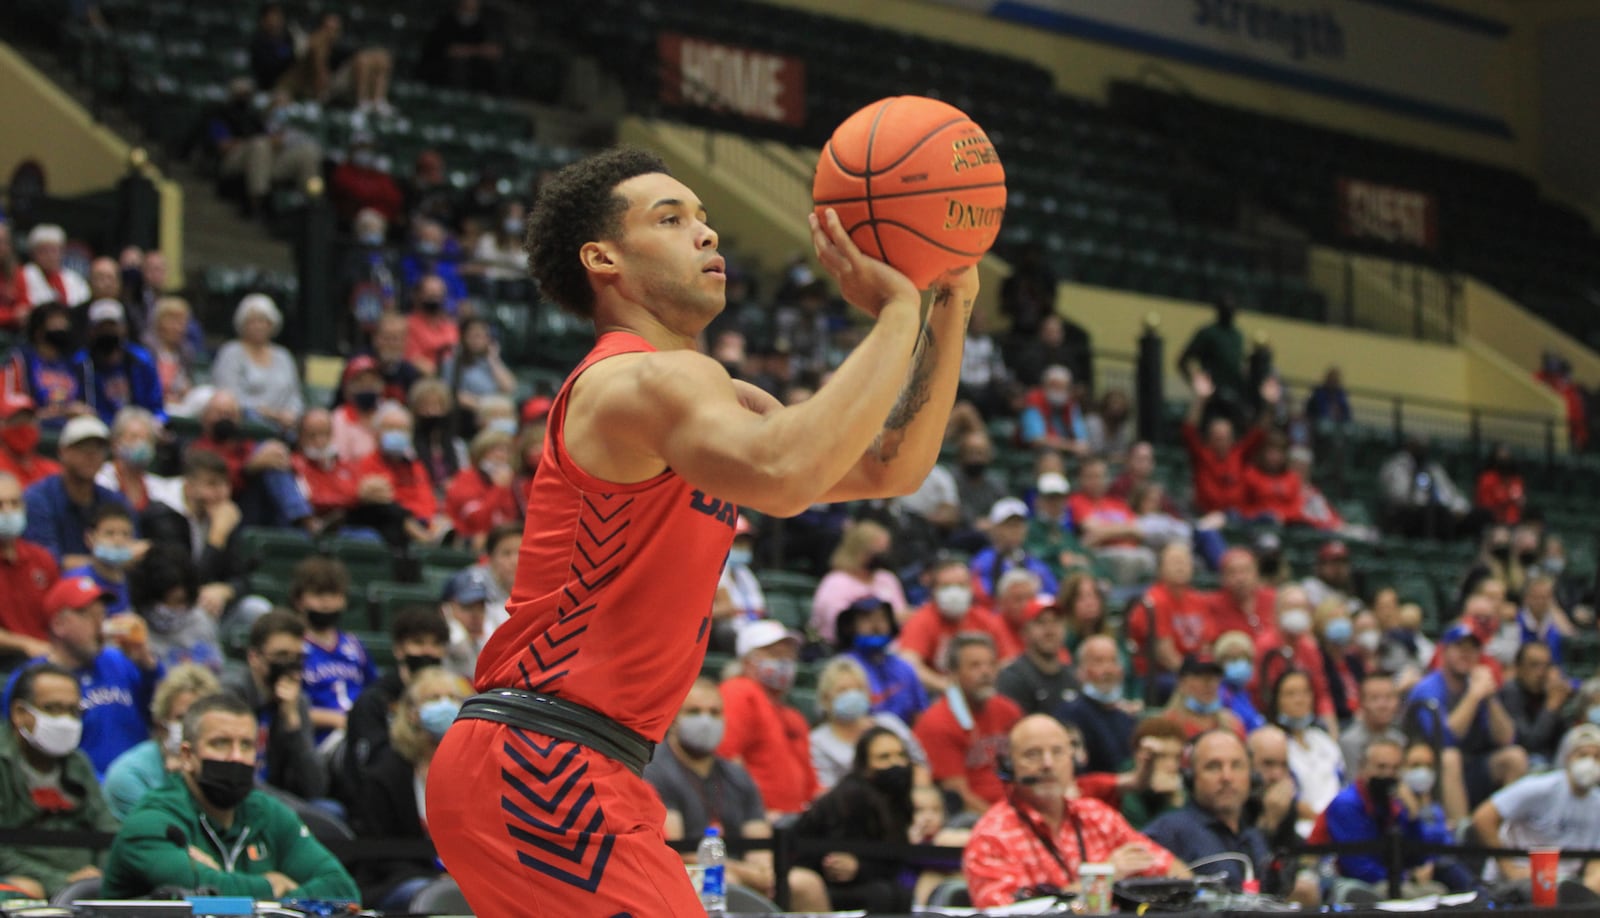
668 253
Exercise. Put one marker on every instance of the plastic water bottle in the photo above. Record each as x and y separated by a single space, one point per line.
712 854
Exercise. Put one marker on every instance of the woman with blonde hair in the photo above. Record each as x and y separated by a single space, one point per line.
392 800
146 765
167 339
860 568
845 706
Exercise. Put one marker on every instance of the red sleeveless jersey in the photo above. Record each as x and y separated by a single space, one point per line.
611 607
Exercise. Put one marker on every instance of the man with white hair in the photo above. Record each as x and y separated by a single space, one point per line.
261 374
1557 809
396 462
47 280
1051 418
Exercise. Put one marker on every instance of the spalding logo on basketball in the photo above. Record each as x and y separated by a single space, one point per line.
916 183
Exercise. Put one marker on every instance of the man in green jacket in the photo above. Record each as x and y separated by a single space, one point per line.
47 783
234 839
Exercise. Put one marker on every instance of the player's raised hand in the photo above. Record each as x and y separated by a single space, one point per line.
865 282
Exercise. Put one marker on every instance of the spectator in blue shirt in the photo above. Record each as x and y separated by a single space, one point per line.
434 252
864 631
337 665
117 682
110 541
1458 706
1008 527
1235 651
1213 823
113 371
41 365
60 507
1394 791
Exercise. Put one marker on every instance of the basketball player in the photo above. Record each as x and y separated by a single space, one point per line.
534 797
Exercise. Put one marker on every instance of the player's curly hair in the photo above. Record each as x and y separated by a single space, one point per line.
576 206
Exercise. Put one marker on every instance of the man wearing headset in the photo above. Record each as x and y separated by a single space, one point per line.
1037 838
1212 825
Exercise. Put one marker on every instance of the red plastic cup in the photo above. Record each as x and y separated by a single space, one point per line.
1544 866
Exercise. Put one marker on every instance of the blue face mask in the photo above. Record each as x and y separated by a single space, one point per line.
1594 715
1296 724
1238 672
1338 631
12 523
851 705
438 715
394 442
113 555
137 455
507 426
1104 696
1196 706
870 644
740 557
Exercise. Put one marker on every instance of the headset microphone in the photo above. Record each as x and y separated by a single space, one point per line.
1030 780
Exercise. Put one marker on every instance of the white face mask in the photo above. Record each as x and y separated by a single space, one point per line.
55 735
174 738
1419 779
1295 621
1368 640
953 601
1584 772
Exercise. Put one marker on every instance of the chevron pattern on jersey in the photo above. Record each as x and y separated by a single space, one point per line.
596 559
551 813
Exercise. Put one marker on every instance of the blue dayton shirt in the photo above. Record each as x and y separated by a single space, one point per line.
1434 716
116 705
1352 817
334 678
893 685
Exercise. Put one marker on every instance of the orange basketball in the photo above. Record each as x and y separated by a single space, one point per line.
916 183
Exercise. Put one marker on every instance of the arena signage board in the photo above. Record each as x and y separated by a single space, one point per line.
1385 213
1362 51
730 79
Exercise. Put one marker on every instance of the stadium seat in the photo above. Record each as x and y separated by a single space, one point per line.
950 893
441 897
86 888
742 900
385 598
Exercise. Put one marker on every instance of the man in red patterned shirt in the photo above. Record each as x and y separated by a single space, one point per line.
1039 836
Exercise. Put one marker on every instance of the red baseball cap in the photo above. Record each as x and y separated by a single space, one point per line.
536 408
1039 606
12 401
365 363
74 593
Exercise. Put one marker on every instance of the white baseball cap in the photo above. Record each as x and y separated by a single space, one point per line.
763 633
84 427
1052 483
1006 508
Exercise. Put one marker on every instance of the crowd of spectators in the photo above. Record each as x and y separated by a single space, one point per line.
963 635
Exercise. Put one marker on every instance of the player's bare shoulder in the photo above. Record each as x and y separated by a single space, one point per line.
621 408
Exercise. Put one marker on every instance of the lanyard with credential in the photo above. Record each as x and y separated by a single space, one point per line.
1049 844
229 857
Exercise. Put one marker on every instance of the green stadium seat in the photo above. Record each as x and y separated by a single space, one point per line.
385 598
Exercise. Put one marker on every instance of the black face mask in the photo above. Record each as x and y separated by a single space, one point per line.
430 306
1527 557
106 345
427 424
974 469
277 671
894 782
877 563
59 338
225 784
1381 788
365 401
417 662
224 430
1500 551
320 621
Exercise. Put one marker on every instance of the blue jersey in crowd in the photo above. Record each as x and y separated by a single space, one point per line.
116 705
333 678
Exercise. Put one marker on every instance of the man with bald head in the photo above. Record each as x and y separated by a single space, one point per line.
1213 821
1099 709
1043 832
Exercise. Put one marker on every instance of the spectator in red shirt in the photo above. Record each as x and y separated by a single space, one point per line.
1315 509
480 497
327 481
965 730
1043 833
1138 469
259 472
1219 459
396 462
358 183
1244 603
1016 598
926 636
19 440
1500 489
1272 490
1107 526
769 738
361 394
13 285
1181 617
431 332
27 572
1294 648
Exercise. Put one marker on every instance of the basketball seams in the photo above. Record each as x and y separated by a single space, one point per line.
872 137
911 194
840 164
890 167
874 224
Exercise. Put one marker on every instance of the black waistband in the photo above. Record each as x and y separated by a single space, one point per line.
561 719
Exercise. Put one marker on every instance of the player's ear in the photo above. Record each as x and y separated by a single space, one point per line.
600 257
